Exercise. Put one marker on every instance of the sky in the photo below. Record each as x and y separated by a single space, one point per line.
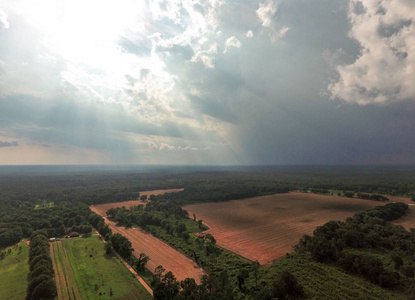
207 82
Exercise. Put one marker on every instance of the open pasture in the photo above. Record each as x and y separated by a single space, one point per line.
266 228
64 275
102 208
13 271
159 252
84 271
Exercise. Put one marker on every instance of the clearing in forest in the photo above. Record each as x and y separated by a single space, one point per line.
14 269
101 209
90 273
266 228
159 252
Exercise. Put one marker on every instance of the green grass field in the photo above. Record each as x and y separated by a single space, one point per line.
13 272
97 274
44 205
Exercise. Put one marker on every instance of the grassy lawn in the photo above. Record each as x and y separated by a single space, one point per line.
44 205
97 274
13 272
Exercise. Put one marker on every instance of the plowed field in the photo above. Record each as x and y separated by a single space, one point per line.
159 252
266 228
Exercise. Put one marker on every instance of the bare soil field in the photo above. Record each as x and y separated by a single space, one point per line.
102 208
266 228
159 252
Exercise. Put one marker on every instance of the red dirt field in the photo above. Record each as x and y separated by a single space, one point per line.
159 252
266 228
102 208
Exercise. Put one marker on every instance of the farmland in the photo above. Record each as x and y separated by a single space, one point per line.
64 275
101 209
13 272
266 228
84 271
159 252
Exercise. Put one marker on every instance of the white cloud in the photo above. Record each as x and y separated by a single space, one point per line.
3 19
232 42
167 147
206 56
249 34
384 71
266 13
164 146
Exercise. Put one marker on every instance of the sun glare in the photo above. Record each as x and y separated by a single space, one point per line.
83 31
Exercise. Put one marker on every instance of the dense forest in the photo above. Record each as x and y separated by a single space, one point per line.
39 185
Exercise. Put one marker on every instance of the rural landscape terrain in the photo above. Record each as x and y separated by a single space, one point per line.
247 233
207 150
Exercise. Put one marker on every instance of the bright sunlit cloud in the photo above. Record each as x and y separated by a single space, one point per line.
83 31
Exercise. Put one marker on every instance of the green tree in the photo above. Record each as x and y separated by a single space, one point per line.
142 261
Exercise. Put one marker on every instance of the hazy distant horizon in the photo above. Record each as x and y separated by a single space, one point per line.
324 169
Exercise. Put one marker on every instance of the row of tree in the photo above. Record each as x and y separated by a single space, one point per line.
41 276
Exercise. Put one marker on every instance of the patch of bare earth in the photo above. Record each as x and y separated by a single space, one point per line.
159 252
266 228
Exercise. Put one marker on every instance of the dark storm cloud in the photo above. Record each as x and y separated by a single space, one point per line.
329 134
8 144
213 108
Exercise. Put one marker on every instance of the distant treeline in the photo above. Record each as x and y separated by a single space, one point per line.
348 194
101 186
